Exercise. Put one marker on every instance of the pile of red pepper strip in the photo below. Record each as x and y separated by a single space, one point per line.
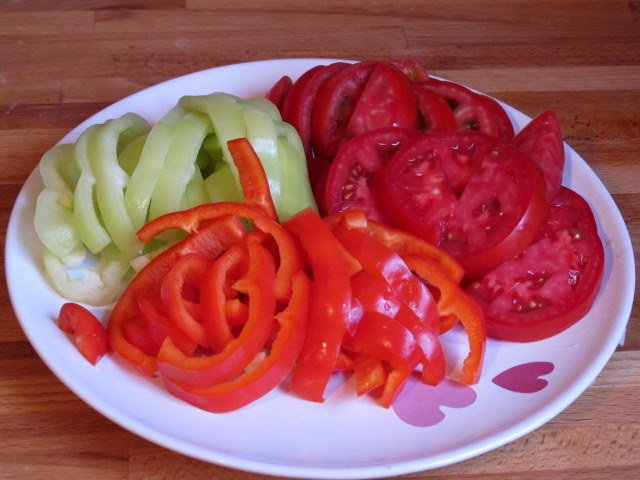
230 312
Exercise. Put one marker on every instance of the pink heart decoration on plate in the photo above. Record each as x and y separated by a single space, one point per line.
525 378
420 405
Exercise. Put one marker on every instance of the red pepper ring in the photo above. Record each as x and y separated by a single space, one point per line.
269 372
454 301
188 269
194 219
203 371
212 239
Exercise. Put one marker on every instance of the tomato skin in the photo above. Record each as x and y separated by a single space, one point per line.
553 283
298 107
541 139
472 111
334 103
278 92
474 195
88 333
387 101
436 113
351 176
412 69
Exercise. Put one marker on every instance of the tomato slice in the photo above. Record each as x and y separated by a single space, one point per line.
476 196
541 139
553 284
472 111
412 69
387 101
297 108
437 115
352 174
335 101
278 92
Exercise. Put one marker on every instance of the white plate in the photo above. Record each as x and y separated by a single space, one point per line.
346 437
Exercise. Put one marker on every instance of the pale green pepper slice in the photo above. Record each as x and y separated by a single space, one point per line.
111 179
85 210
143 179
180 167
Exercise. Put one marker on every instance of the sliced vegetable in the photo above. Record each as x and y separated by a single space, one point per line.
88 333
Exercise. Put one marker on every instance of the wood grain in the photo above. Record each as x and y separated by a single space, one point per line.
62 61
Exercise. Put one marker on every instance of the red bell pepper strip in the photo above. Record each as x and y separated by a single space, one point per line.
188 269
268 373
454 301
158 326
88 333
253 179
382 263
401 242
212 239
369 373
215 294
290 260
201 371
384 338
330 305
136 333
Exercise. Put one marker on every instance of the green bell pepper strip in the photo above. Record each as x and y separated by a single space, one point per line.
59 172
144 177
296 192
111 179
262 134
130 155
221 185
96 286
180 167
263 105
85 211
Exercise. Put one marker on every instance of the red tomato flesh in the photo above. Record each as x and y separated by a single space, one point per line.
550 286
474 195
387 101
352 173
541 139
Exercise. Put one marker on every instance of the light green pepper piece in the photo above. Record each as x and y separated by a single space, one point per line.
111 179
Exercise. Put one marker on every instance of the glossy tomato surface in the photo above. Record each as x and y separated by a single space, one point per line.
553 283
472 111
541 139
387 101
476 196
353 174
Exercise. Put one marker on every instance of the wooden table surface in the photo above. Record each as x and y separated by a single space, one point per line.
60 65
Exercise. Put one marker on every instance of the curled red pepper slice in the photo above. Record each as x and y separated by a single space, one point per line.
192 220
88 333
212 239
268 372
454 301
188 269
214 294
330 305
200 371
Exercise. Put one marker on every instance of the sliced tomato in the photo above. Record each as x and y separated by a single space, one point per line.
334 103
349 182
297 109
412 69
437 115
278 92
476 196
88 333
387 101
472 111
553 284
541 139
